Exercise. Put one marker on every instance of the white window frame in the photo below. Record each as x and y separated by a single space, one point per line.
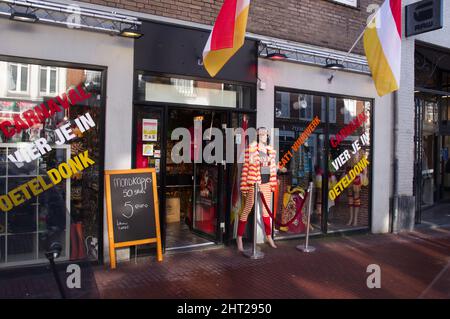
48 70
19 78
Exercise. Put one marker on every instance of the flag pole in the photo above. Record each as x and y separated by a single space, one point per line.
354 44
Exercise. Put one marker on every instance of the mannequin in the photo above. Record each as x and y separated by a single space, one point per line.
318 186
354 199
259 167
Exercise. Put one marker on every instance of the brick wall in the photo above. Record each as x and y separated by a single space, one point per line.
318 22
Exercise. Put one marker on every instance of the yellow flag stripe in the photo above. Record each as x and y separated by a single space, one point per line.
382 74
215 60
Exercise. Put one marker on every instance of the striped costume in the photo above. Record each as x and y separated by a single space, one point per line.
251 174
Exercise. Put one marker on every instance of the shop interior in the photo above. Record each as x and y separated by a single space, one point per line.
192 197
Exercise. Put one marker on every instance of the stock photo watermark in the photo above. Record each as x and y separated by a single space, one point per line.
374 279
73 281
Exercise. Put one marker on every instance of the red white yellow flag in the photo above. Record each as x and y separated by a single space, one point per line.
383 45
227 36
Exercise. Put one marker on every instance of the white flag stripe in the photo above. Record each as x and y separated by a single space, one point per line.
207 46
241 5
389 39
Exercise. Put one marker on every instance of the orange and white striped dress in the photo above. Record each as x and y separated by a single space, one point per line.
251 171
251 174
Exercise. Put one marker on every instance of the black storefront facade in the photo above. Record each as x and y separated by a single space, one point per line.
173 90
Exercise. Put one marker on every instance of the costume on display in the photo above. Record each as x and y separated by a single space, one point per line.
259 167
354 199
318 185
293 202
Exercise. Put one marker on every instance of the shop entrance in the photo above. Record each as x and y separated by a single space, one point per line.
432 131
431 156
193 188
192 193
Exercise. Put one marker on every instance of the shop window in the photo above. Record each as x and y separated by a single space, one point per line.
313 161
194 92
349 110
348 207
282 109
331 110
47 81
17 78
294 177
305 105
295 106
50 155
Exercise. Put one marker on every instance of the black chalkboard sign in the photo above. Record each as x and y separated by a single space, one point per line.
132 204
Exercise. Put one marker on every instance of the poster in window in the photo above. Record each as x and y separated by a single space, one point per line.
147 150
149 130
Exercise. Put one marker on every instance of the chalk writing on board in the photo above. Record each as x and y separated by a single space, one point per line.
130 210
132 181
122 225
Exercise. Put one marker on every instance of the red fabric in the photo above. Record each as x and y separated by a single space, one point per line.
267 226
223 31
77 250
141 160
396 8
241 228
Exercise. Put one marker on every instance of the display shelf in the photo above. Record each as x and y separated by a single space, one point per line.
16 248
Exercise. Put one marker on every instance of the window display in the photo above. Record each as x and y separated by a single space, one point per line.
49 162
331 151
350 147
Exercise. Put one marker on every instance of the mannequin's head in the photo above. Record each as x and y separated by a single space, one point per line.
263 135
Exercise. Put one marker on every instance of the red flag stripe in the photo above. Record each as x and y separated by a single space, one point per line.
223 32
396 8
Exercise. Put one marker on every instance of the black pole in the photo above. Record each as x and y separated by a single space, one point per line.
58 280
53 252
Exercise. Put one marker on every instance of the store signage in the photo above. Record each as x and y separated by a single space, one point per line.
40 113
350 3
423 16
132 210
299 142
347 180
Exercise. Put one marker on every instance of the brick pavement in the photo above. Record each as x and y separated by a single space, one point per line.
413 265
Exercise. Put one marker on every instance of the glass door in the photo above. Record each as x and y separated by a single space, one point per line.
208 174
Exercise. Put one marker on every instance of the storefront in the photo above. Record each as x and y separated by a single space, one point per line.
172 92
59 106
354 126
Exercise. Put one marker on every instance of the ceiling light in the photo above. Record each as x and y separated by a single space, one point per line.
24 17
131 33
